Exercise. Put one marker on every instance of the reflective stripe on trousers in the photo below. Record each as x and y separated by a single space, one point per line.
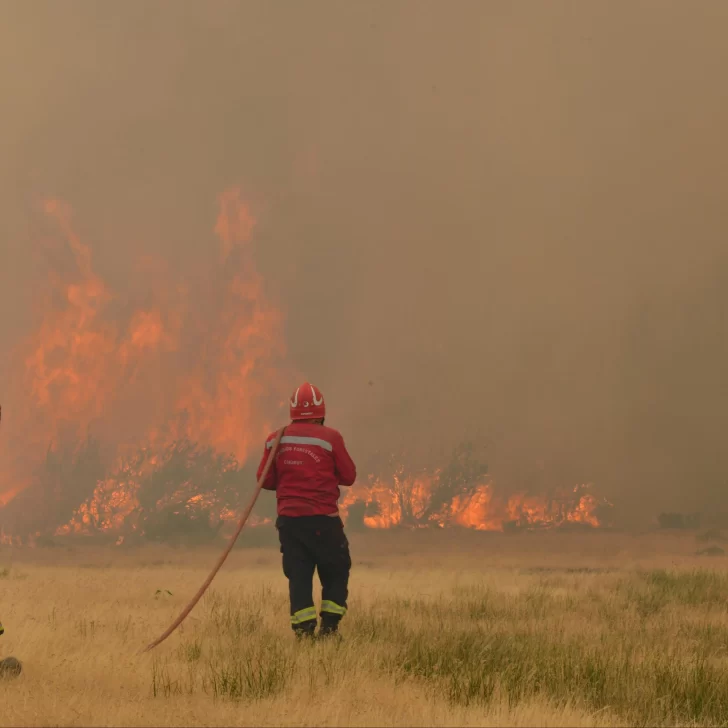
303 615
329 607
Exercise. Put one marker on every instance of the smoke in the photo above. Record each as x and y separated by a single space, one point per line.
484 220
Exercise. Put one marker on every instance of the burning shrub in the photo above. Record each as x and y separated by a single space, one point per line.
100 355
458 481
358 512
186 493
183 493
414 496
199 478
66 478
462 494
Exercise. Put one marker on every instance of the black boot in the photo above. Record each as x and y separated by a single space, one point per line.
330 626
305 630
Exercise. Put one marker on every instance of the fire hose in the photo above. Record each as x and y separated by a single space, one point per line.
221 560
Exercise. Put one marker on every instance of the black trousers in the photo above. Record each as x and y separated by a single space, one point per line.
310 543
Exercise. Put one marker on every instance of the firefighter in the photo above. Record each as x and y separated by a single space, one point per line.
310 465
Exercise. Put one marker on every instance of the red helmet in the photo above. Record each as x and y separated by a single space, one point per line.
307 403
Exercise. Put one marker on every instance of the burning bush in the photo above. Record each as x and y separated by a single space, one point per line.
462 494
198 478
185 493
182 493
67 477
358 512
458 481
100 357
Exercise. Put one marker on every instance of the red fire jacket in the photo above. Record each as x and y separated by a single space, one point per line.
311 463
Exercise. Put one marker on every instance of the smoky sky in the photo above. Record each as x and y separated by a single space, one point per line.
504 221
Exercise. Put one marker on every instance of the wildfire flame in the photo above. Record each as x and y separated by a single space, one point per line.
200 393
405 501
96 360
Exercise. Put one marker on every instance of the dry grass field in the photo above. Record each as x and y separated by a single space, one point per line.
444 629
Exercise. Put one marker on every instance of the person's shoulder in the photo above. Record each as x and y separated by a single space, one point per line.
331 434
309 429
271 437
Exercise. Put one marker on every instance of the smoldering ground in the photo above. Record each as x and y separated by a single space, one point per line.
483 220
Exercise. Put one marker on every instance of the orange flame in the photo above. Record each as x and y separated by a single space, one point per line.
85 362
94 352
226 415
406 501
